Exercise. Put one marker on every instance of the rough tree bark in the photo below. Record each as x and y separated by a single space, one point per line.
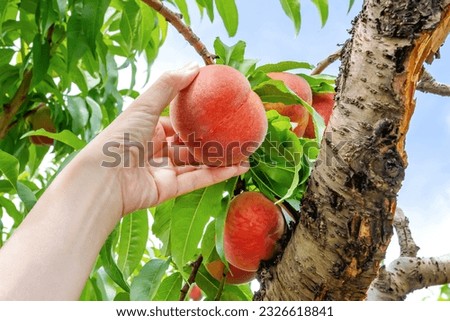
348 209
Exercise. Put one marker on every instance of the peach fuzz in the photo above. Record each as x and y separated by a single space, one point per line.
252 228
219 117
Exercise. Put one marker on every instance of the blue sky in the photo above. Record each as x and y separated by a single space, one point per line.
270 37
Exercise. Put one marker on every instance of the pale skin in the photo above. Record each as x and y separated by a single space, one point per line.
50 256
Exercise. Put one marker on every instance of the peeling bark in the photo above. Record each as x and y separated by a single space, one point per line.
348 209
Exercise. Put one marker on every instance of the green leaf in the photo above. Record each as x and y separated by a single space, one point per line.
222 216
292 10
66 137
322 6
162 216
209 5
12 211
9 166
128 24
95 119
230 56
110 265
210 287
92 16
209 242
228 11
6 55
145 285
26 195
170 287
77 40
79 112
122 296
132 241
191 213
320 83
181 4
283 66
350 6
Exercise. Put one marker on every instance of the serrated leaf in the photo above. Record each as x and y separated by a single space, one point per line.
284 66
228 12
191 213
170 287
66 137
292 10
110 265
322 6
145 285
133 237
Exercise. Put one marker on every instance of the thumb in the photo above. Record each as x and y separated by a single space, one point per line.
166 87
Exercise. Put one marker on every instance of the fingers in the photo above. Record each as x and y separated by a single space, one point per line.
206 176
164 90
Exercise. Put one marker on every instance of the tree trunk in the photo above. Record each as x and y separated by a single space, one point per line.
347 212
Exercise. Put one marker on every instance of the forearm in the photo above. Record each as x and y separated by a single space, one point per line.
52 253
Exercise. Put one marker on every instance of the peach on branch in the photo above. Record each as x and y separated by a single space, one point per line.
296 113
233 276
195 293
219 117
323 103
253 226
41 119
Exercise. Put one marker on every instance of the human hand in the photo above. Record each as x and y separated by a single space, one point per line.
149 169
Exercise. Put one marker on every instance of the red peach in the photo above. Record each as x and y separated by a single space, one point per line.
233 276
252 228
195 293
323 103
219 117
296 113
41 118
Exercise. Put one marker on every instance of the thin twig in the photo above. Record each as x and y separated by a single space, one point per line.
428 84
195 266
175 20
321 66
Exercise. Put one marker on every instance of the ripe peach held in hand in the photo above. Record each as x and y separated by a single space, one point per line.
219 117
233 276
323 103
297 113
252 228
41 118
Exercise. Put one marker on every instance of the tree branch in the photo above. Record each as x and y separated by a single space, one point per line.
175 20
10 109
406 275
408 247
428 84
321 66
195 266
